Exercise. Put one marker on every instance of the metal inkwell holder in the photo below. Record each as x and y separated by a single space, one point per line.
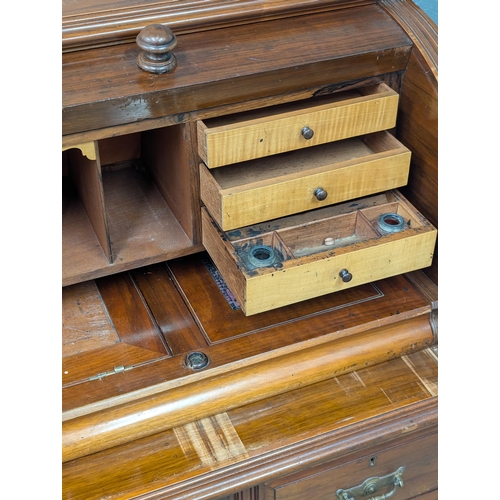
274 243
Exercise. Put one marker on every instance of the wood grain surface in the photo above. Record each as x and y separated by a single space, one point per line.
104 87
345 418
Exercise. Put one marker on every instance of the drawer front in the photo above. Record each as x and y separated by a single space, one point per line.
304 256
416 461
250 135
270 188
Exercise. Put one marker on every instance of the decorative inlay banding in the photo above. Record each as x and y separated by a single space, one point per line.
214 439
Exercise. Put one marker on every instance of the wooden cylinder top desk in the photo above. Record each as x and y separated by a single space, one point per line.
249 250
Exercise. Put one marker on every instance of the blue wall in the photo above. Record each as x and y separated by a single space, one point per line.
430 7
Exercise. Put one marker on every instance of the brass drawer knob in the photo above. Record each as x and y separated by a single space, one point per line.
320 194
345 275
156 41
307 133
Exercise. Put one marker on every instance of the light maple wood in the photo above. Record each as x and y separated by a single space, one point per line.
310 268
222 141
111 427
269 188
88 149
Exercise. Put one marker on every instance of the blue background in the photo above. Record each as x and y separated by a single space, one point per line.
430 7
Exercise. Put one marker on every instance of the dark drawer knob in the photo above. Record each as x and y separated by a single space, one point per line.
320 194
345 275
156 41
307 133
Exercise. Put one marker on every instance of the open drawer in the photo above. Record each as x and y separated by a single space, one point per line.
299 257
267 188
291 126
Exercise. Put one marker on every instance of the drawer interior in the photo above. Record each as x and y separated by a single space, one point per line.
253 191
291 126
326 233
290 164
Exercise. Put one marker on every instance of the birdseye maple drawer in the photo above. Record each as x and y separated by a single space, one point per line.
284 261
301 124
258 190
401 472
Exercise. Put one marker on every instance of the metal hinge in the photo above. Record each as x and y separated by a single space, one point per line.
116 369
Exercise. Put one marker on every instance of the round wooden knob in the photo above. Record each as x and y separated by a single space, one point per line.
156 41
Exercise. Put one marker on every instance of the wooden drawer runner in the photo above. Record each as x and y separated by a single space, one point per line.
415 460
299 257
277 129
263 189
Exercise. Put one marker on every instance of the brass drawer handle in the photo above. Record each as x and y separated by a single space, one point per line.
320 194
371 485
307 133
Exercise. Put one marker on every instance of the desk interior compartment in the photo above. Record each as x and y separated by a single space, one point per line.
121 207
295 258
255 134
277 186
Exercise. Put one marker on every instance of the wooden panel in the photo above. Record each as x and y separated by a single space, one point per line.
231 339
230 66
418 457
277 186
114 150
344 418
169 310
418 111
236 138
168 154
88 181
85 322
340 314
305 267
111 427
93 365
132 320
81 250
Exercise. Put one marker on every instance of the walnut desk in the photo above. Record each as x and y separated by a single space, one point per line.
249 250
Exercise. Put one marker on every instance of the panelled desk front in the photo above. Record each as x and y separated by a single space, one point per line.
249 251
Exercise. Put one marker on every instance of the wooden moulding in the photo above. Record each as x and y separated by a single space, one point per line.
334 422
90 23
111 427
104 87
